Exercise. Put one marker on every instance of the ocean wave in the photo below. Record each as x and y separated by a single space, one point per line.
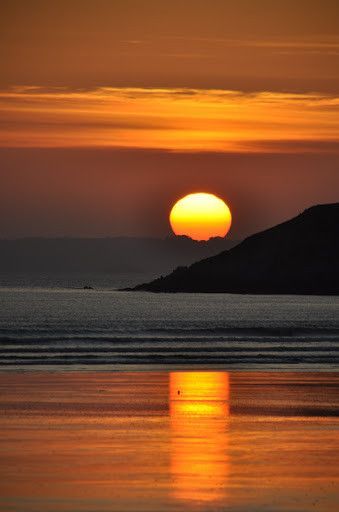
263 360
165 335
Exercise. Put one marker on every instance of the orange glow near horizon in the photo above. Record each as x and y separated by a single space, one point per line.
200 216
199 408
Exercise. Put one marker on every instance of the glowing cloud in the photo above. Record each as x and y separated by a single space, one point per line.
170 119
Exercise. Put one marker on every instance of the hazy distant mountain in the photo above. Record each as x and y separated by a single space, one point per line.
104 255
300 256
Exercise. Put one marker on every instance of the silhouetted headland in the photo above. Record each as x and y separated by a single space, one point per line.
299 256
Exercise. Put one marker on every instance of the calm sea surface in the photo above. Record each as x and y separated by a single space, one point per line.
103 329
206 438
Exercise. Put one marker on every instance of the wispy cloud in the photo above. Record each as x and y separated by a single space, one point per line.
320 44
170 119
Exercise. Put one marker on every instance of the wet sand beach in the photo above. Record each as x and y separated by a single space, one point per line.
190 440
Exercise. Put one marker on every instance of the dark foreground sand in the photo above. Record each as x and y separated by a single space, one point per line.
169 441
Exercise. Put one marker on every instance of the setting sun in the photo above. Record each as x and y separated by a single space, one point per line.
200 216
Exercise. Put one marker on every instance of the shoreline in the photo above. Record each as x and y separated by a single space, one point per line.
133 368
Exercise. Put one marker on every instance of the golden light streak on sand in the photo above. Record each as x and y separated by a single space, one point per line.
199 409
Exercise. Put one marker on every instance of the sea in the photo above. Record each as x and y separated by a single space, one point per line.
133 401
55 324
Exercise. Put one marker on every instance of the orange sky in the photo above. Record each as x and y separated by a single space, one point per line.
126 106
217 44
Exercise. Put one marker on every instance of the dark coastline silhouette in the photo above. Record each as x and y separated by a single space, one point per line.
299 256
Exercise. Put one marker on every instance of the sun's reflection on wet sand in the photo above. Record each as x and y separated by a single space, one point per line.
199 410
127 441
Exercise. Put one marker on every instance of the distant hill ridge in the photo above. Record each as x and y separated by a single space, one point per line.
105 255
299 256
